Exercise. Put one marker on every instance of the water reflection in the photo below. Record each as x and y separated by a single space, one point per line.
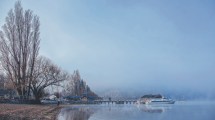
179 111
76 113
85 112
154 108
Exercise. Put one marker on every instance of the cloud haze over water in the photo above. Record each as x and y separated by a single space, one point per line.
130 45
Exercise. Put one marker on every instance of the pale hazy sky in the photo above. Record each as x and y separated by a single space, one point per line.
129 44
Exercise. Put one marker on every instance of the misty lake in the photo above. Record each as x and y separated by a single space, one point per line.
177 111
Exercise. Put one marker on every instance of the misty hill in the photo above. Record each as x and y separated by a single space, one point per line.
152 96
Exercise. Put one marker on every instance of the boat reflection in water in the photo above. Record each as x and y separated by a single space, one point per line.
154 108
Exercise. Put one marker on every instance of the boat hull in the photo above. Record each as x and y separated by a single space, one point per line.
156 101
161 102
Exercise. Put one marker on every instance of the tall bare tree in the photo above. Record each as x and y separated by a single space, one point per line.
19 47
46 74
77 86
73 87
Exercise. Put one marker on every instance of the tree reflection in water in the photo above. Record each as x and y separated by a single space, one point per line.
180 111
74 113
106 112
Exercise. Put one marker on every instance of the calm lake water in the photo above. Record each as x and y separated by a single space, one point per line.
177 111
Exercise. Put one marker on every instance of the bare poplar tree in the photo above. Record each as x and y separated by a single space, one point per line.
73 87
76 77
46 74
77 86
19 47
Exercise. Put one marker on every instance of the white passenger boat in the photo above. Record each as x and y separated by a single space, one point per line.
161 101
154 99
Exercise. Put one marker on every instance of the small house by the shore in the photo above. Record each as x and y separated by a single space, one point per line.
7 93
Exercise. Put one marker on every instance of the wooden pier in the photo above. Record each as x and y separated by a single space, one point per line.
115 101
